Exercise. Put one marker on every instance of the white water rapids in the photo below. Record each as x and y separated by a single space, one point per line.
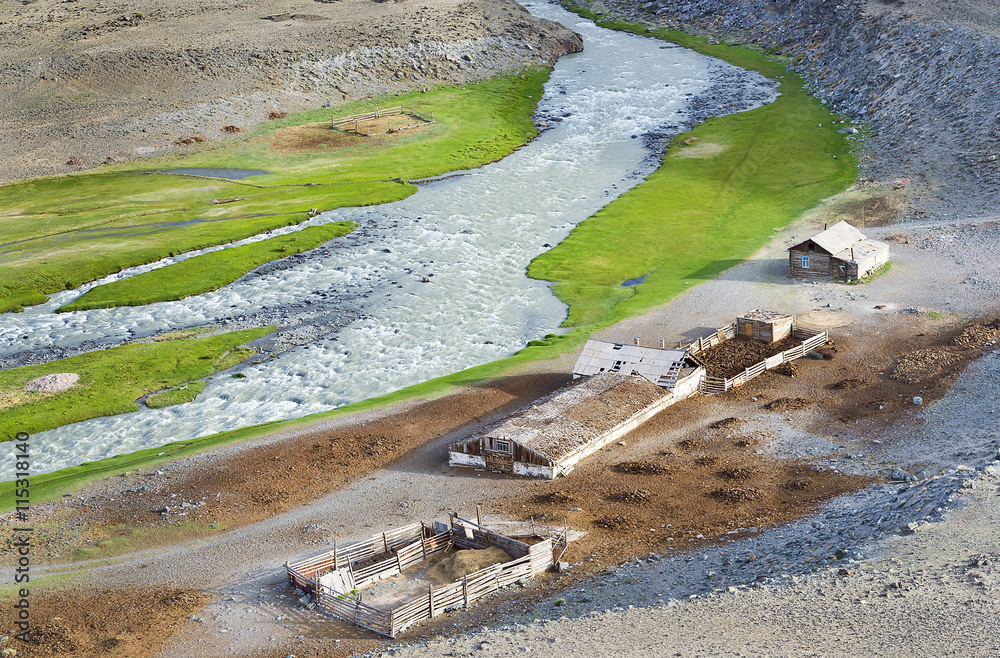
472 236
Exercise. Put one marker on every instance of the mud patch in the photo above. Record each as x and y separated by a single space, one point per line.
788 404
732 357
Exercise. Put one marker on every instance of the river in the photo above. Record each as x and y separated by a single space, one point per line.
470 236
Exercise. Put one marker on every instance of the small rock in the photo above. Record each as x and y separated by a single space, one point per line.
917 400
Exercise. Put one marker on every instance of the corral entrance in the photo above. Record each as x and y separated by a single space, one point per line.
383 121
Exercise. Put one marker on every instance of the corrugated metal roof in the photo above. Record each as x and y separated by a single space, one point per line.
838 237
658 366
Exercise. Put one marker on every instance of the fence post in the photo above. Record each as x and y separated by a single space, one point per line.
465 590
385 542
335 565
430 599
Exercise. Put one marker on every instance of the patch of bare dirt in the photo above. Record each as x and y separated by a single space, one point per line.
788 404
978 334
316 137
921 365
132 623
641 468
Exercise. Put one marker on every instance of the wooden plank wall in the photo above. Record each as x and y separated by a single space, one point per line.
820 265
302 574
460 593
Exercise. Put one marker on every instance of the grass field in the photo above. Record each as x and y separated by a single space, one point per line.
206 272
62 231
763 169
176 395
111 380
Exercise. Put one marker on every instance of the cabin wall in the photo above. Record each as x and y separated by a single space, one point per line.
534 471
868 266
462 459
819 263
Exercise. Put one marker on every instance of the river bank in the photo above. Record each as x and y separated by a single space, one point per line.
918 77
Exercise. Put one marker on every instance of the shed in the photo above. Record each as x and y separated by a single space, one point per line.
839 252
549 438
765 326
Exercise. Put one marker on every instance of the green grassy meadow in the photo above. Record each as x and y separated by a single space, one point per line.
206 272
62 231
111 380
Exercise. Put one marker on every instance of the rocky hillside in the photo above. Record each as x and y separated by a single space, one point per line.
921 75
88 80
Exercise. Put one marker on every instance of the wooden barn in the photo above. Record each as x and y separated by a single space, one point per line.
838 252
549 438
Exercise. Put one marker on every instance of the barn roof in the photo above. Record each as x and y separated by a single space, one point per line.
836 239
658 366
576 415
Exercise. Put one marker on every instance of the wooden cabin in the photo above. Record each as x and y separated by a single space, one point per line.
549 438
838 252
765 326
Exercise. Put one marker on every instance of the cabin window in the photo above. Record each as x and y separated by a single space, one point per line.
503 446
812 247
806 261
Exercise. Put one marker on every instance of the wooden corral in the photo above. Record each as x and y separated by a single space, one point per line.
838 252
765 326
371 123
336 578
811 339
555 433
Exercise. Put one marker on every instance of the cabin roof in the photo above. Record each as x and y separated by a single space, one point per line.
861 251
835 239
577 414
658 366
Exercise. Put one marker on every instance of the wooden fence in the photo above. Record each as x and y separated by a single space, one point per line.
811 338
343 123
721 335
409 546
302 574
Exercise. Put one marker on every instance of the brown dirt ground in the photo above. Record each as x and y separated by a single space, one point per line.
320 136
708 479
103 622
